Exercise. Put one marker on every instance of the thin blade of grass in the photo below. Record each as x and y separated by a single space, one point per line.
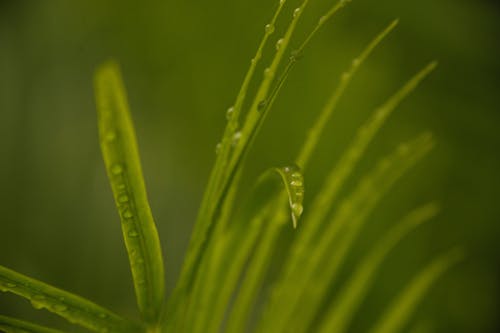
326 197
317 130
232 125
211 198
313 267
13 325
336 243
71 307
228 172
231 261
340 312
121 156
398 313
255 274
244 242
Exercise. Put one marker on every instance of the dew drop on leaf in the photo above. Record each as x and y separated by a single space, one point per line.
59 307
123 198
279 43
116 169
127 214
236 138
269 28
229 113
110 136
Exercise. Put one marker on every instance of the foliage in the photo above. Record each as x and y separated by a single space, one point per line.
226 283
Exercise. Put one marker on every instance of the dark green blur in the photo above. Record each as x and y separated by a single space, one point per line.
182 63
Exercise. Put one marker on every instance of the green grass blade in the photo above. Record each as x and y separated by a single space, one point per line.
340 312
229 263
12 325
212 195
121 156
228 171
255 274
398 313
325 199
316 131
244 243
312 267
73 308
233 115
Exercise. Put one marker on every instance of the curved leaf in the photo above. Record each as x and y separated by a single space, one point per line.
73 308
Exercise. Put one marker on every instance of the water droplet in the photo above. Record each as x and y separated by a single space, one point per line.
229 113
116 169
133 233
127 214
37 305
297 209
282 2
123 198
269 28
120 187
218 147
267 71
356 62
296 12
322 19
296 183
38 302
279 43
110 136
59 308
236 138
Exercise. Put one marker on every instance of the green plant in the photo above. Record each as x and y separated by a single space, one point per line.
231 249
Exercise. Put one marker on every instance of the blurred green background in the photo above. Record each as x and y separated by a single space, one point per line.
183 62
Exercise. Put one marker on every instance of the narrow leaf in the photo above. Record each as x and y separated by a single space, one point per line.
73 308
313 266
12 325
224 180
121 156
232 250
212 196
317 130
398 313
339 314
335 180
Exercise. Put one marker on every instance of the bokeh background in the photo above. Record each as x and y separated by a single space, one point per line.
183 62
